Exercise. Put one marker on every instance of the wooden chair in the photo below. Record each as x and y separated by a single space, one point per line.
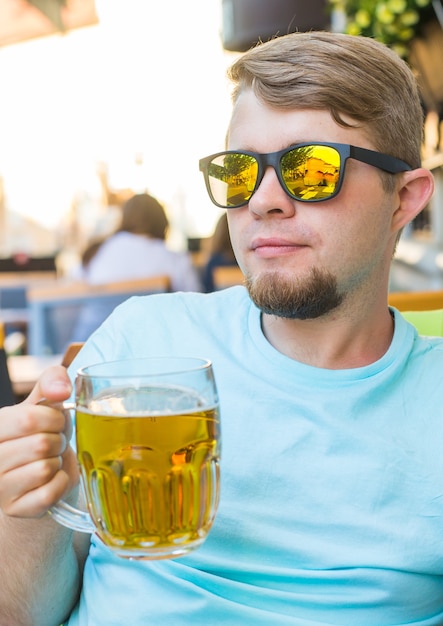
227 276
14 287
416 300
11 279
71 352
54 310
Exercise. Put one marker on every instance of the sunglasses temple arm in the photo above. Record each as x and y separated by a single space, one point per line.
377 159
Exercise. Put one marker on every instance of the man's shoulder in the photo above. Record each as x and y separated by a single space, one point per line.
228 301
178 323
429 345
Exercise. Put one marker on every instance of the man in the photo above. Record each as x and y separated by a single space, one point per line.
331 506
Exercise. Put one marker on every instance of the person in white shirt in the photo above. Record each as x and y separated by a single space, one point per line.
137 249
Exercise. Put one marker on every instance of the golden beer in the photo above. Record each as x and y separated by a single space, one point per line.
151 478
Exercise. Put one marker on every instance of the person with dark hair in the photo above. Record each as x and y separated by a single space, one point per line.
220 253
331 507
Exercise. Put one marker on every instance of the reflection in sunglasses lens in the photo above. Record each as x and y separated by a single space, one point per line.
233 177
311 172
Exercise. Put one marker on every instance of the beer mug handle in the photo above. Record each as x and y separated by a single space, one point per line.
72 518
62 512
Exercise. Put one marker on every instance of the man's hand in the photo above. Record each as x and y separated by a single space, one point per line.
37 464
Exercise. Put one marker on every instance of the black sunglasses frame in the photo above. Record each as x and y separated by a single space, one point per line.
384 162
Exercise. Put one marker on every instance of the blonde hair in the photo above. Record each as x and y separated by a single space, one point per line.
350 76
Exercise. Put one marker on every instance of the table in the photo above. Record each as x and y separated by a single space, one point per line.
24 370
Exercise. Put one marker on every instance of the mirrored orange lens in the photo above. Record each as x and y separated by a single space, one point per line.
232 178
311 172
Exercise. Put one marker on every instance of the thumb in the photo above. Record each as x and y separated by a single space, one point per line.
54 385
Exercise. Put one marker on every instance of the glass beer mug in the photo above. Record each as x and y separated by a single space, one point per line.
148 448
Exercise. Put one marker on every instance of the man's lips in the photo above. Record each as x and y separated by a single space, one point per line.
275 246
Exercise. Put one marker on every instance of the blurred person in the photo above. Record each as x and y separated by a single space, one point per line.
137 249
331 509
220 253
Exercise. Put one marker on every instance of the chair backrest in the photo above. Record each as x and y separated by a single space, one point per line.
11 279
416 300
13 297
15 285
55 311
426 322
227 276
71 352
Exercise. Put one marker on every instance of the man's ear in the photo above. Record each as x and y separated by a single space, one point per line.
415 191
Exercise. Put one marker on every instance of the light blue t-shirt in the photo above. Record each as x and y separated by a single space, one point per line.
331 508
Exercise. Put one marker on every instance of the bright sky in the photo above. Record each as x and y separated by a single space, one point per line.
149 80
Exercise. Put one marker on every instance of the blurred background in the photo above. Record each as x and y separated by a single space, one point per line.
104 99
129 102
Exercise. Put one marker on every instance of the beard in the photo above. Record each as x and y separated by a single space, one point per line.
295 298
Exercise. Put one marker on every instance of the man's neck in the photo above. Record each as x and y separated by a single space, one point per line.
335 341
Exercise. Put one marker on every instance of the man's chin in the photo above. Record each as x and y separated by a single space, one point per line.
283 295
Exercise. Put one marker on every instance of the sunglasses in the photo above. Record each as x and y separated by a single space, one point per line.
308 172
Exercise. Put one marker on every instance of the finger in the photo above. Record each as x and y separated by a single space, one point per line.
18 481
27 419
14 454
40 494
54 384
29 491
66 411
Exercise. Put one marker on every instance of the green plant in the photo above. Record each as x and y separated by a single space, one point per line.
394 22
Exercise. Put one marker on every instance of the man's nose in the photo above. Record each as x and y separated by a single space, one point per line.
270 199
